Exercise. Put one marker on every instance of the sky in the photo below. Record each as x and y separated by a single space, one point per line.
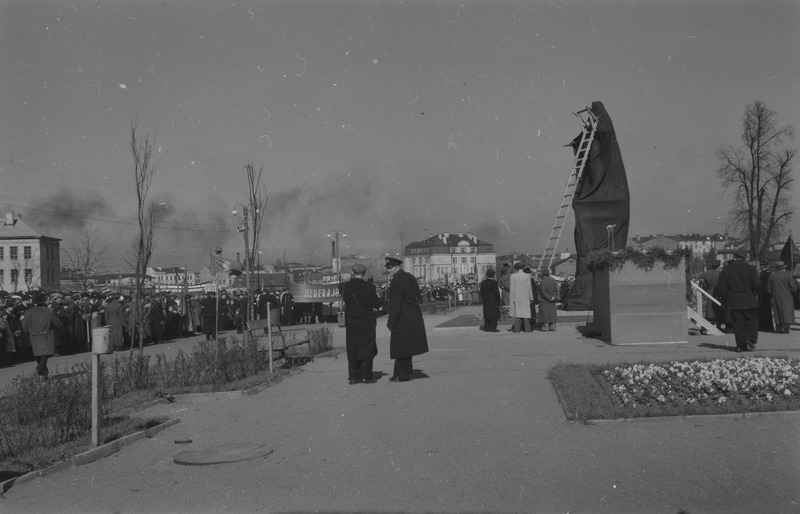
385 120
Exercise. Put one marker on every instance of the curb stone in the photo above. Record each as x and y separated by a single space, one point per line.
736 416
88 456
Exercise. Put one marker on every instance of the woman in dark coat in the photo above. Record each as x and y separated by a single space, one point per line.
548 296
490 297
361 303
405 321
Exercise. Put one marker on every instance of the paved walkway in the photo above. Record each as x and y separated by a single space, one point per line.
480 430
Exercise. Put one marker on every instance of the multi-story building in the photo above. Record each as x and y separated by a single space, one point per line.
174 276
28 260
449 257
701 244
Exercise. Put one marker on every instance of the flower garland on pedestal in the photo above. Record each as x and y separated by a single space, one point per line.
597 260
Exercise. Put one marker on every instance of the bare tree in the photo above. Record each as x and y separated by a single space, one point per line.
759 176
141 249
85 257
257 200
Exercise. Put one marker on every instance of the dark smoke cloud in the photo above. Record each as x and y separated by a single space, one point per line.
65 213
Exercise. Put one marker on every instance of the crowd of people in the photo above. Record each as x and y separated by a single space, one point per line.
66 319
529 298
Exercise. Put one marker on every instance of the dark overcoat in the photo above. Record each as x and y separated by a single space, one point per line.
709 280
41 324
405 318
548 296
490 297
739 285
783 288
360 303
114 318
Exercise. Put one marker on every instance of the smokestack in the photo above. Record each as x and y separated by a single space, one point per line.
9 218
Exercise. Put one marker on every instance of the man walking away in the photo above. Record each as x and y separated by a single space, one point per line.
738 287
41 324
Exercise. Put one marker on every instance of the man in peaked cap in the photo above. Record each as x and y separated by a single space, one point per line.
408 337
361 304
738 287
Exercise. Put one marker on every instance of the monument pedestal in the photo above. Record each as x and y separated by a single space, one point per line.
634 306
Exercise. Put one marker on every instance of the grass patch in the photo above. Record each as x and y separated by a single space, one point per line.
42 457
676 388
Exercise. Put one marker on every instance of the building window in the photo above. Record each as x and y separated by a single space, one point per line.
2 253
28 275
2 276
12 253
14 277
26 252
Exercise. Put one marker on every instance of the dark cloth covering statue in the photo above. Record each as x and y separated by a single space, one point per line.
601 200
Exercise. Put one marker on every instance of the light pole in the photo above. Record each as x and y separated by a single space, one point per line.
244 228
336 234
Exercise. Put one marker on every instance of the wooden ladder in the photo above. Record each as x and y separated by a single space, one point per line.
588 129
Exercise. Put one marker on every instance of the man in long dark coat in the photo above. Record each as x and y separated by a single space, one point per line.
783 289
360 305
405 321
490 298
738 286
208 308
42 325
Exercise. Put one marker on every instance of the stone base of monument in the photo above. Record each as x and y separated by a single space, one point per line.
635 306
234 452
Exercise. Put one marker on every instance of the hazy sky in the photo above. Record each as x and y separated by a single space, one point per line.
375 118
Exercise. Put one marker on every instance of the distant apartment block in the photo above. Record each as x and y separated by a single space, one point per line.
28 259
449 257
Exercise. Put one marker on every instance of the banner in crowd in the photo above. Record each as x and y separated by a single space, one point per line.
315 293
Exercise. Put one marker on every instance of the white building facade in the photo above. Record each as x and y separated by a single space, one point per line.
449 258
28 260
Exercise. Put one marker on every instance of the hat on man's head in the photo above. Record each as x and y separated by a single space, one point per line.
780 265
518 265
391 262
544 271
489 272
740 253
715 263
358 268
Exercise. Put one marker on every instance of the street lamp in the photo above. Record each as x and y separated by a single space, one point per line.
336 234
244 228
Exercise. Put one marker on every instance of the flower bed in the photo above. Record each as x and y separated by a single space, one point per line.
760 379
719 386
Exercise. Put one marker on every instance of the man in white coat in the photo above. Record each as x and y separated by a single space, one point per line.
520 297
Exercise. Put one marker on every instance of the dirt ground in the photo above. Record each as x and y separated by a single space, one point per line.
478 430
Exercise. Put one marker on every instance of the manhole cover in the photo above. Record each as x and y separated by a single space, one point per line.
234 452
